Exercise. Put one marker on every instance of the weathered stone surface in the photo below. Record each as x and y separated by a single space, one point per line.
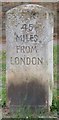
29 31
52 6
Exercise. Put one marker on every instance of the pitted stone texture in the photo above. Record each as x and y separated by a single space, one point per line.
29 31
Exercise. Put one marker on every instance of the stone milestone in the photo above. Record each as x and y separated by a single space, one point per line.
29 55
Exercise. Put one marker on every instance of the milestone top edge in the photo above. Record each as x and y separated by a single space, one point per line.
29 8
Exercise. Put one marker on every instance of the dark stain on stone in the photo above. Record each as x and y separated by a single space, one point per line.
28 93
34 14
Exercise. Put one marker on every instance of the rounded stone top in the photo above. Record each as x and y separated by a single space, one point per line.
30 11
29 8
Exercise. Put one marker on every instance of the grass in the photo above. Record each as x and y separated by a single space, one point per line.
4 97
55 62
55 103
